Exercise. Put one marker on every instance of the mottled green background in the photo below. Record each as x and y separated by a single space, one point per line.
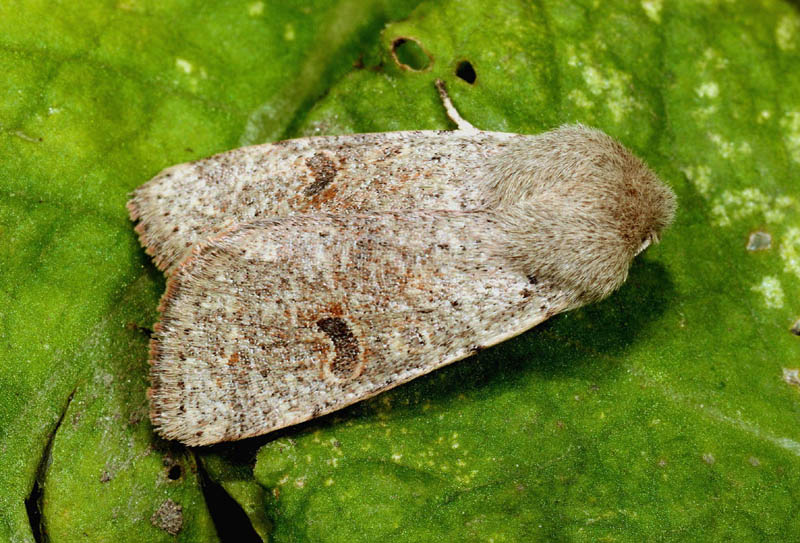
666 413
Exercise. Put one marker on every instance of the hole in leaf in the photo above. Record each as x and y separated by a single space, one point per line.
465 71
795 329
174 472
759 241
409 54
792 376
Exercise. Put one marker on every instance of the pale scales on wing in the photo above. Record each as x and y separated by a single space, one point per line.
185 204
569 210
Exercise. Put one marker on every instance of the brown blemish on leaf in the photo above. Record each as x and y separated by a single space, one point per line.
324 171
168 517
345 343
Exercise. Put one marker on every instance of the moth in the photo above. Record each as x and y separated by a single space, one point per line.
310 274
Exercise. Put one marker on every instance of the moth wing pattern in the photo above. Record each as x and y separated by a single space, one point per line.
185 204
277 321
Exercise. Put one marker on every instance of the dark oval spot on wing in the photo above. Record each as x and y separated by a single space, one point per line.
324 171
347 352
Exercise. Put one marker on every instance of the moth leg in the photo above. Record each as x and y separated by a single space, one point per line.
462 124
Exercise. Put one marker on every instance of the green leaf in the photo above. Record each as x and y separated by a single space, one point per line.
666 412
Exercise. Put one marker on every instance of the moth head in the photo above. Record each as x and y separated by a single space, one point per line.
579 207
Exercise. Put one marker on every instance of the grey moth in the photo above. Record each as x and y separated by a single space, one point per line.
309 274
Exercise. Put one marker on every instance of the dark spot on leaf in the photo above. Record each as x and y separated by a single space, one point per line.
795 329
465 71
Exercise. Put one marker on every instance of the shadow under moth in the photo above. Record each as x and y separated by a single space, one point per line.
309 274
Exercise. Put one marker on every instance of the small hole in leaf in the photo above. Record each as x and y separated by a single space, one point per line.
795 329
465 71
792 376
759 241
410 55
174 473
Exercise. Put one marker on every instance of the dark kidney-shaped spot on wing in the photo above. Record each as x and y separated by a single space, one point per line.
323 170
346 362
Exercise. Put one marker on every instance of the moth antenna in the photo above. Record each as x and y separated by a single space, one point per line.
461 124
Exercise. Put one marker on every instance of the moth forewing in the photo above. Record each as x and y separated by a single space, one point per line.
279 321
185 204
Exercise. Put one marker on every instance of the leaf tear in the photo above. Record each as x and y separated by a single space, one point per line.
230 519
33 503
